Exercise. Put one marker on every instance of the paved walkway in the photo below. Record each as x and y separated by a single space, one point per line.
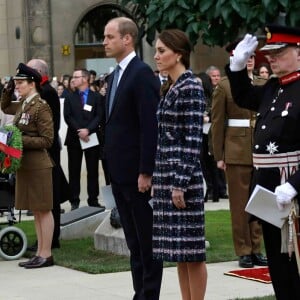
62 284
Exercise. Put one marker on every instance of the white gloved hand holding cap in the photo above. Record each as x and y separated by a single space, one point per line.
242 52
284 195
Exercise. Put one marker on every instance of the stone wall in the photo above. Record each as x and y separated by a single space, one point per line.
11 36
39 31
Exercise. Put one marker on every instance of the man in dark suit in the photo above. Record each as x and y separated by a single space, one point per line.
49 94
130 146
82 113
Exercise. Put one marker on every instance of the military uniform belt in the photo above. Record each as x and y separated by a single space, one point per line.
288 163
276 160
241 123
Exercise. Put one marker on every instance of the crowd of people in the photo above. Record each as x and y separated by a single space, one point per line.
160 135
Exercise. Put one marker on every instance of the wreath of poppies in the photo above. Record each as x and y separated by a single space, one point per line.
11 152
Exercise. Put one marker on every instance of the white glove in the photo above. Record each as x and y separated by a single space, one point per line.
284 195
242 52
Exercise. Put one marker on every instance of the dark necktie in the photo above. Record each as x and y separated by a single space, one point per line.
81 94
113 88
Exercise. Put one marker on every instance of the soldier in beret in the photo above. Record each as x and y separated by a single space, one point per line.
276 147
34 178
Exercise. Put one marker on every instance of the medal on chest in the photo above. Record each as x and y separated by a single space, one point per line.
276 100
272 148
285 112
24 120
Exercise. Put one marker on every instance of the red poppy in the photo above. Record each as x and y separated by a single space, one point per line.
7 162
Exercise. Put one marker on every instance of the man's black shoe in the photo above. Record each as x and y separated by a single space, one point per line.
259 259
245 261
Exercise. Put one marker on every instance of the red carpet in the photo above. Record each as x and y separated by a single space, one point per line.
257 274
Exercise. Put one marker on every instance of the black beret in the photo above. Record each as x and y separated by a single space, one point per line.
280 36
24 72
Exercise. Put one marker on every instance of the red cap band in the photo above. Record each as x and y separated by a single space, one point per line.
273 38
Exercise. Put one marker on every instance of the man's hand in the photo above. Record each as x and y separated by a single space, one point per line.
144 183
242 52
284 195
83 134
221 164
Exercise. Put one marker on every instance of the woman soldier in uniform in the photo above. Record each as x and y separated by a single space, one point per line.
34 178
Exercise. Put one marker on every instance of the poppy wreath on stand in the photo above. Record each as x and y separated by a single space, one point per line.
10 149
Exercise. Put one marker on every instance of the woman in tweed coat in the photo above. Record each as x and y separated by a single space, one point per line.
178 201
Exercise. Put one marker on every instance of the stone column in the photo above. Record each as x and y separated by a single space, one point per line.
38 27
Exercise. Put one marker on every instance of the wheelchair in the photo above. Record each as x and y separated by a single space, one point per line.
13 241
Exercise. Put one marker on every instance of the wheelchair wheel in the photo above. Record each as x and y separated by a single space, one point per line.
13 243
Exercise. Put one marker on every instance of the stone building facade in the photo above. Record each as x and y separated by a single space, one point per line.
68 34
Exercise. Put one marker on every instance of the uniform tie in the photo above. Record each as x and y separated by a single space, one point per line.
81 94
113 88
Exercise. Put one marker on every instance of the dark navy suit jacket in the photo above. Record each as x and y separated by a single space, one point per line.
131 127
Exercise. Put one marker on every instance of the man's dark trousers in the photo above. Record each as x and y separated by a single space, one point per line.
137 219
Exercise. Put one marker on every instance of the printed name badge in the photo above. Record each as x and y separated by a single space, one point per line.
87 107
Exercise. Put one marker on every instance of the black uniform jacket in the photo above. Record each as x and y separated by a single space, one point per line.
277 127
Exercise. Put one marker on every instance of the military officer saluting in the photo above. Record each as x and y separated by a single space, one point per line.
276 147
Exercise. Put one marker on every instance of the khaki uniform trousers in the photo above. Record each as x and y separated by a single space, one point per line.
246 235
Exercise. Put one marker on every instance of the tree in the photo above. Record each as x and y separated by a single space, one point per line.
216 22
